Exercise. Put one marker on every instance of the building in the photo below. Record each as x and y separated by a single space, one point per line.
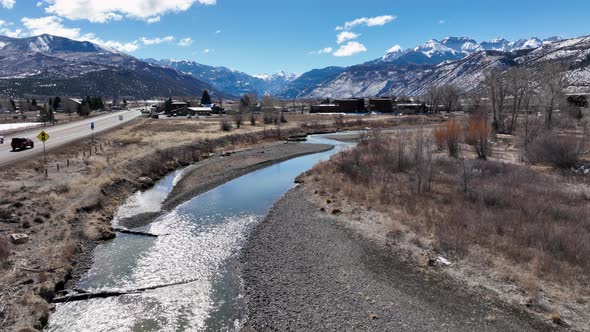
382 105
411 108
352 105
70 105
179 104
200 111
324 108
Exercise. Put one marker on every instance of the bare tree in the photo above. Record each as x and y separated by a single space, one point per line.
518 86
497 90
433 98
552 83
449 96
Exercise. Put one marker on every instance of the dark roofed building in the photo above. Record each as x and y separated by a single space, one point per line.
383 105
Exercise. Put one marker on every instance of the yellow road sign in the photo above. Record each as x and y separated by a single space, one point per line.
43 136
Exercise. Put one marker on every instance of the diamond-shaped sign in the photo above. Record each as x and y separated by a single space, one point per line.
43 136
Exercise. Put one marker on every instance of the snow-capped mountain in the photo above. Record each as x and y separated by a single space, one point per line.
403 77
276 83
231 81
50 65
435 52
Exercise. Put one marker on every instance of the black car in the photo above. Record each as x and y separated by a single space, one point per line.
21 143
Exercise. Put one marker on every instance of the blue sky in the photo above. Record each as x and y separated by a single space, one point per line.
266 36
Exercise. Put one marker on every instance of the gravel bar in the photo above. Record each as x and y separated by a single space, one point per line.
303 271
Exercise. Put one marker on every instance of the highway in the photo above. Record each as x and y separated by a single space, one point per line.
61 135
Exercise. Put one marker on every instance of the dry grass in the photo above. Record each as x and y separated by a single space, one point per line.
539 223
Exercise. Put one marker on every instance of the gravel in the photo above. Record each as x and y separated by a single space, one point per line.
303 271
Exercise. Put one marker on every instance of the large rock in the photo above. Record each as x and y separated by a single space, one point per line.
19 238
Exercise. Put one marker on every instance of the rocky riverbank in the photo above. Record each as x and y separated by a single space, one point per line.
304 270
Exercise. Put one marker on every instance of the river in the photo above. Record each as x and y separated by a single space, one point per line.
193 263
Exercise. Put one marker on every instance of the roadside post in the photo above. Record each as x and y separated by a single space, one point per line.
121 118
92 129
43 137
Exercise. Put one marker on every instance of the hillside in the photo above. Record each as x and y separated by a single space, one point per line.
50 65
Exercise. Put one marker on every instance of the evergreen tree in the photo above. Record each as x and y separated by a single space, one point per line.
206 99
56 103
44 114
168 105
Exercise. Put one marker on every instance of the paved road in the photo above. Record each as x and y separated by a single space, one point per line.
62 134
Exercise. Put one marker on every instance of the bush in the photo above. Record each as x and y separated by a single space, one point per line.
558 151
252 118
238 119
478 134
226 125
448 136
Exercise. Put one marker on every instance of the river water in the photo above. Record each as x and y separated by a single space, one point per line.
193 263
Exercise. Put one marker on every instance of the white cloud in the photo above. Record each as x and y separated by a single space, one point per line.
325 50
442 21
395 49
184 42
4 30
101 11
350 48
8 4
156 41
207 50
217 32
153 19
51 25
346 35
122 47
368 21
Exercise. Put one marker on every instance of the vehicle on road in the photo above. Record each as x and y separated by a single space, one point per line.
21 143
1 139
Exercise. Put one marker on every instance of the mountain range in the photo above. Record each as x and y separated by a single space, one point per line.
49 65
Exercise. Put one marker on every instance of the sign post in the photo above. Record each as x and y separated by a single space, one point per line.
43 137
92 128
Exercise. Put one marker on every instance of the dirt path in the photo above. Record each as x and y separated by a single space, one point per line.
306 272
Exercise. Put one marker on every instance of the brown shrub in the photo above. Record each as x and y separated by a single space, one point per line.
478 134
555 150
448 136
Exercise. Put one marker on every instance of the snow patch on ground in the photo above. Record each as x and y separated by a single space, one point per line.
14 126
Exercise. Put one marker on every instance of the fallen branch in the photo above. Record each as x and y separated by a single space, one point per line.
128 231
83 295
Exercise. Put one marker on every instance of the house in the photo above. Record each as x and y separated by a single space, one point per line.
411 108
200 111
324 108
382 105
178 105
70 105
352 105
